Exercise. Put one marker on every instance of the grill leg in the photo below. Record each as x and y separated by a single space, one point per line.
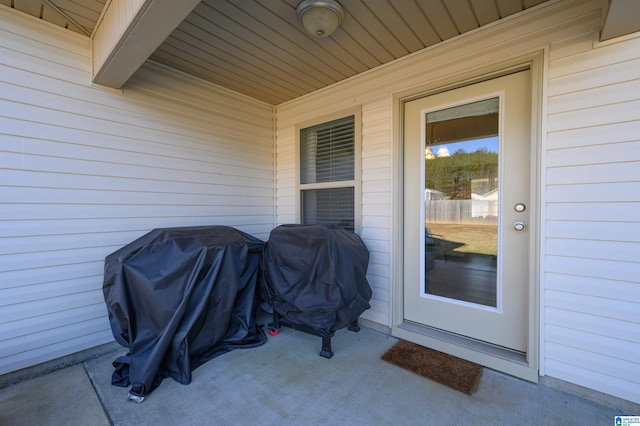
326 351
354 326
274 327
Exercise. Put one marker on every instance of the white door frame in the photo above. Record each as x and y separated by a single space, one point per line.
527 366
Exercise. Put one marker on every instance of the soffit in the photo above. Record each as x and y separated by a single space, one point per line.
79 16
258 47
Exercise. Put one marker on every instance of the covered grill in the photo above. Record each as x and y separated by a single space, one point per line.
314 277
179 297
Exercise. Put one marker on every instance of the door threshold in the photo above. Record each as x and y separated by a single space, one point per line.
467 342
495 357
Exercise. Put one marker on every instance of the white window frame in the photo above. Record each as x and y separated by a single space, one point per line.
357 164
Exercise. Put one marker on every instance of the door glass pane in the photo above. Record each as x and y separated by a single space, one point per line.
461 202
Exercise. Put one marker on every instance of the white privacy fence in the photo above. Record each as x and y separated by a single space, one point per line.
462 211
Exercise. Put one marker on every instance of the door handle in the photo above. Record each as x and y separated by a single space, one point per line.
519 226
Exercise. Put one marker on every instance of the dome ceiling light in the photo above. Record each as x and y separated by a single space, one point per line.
320 17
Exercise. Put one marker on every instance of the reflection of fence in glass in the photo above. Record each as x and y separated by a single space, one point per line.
462 211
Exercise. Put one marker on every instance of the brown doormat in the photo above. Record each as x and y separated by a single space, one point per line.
456 373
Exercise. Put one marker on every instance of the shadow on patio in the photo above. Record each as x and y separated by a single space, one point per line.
285 382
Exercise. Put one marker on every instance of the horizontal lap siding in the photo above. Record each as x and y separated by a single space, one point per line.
591 326
84 170
376 199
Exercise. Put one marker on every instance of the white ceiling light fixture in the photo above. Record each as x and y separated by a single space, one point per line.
320 17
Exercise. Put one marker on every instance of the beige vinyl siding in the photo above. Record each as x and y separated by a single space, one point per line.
592 264
589 266
376 204
84 170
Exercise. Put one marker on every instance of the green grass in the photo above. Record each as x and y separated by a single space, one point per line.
480 239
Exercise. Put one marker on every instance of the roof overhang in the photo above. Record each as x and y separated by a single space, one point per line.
126 36
621 17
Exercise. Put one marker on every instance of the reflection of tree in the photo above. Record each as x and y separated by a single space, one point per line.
453 175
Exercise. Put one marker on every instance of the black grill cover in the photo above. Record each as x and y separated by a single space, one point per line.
177 298
315 275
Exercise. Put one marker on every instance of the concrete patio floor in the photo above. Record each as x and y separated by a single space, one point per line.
285 382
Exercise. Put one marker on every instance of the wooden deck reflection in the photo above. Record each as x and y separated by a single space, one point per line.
467 277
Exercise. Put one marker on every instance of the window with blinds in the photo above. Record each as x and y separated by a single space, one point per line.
327 173
327 152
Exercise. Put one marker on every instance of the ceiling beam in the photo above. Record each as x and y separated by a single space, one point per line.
129 33
622 17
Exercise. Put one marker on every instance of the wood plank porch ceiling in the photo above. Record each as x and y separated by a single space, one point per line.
258 47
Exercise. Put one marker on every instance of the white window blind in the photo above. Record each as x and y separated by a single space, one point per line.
332 206
327 152
327 159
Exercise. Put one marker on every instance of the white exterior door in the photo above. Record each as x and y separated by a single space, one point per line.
467 201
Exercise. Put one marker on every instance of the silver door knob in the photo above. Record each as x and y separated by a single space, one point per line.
519 226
